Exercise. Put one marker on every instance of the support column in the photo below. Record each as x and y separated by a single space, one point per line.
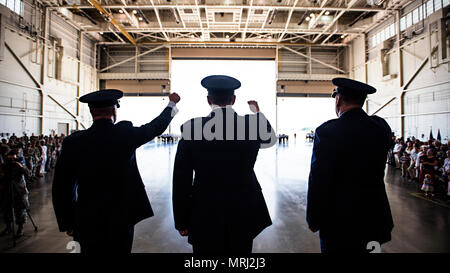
44 66
169 66
310 60
276 86
365 57
80 59
136 63
400 75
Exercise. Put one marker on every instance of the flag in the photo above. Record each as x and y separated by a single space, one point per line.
439 135
431 135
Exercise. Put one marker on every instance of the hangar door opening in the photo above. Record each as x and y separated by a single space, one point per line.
300 115
258 79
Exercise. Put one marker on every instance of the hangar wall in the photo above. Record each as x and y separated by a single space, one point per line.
411 72
39 85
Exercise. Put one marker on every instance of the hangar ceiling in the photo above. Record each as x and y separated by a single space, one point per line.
313 22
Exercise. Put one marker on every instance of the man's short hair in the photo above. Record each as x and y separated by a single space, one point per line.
221 100
102 111
351 98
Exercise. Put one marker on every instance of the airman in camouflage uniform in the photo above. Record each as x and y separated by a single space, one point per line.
12 180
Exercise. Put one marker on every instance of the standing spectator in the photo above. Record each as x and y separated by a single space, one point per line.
39 155
405 162
396 151
412 166
421 153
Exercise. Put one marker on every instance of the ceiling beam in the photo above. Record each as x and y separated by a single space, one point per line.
316 20
329 36
249 10
252 30
133 21
112 20
197 7
277 7
132 58
288 21
159 21
352 2
314 59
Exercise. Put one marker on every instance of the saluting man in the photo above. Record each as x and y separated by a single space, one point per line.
222 209
98 194
347 200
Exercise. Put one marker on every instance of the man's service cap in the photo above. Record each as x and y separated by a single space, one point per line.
220 85
102 98
351 87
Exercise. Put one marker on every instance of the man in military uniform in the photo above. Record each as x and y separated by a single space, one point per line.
98 194
222 209
347 201
13 193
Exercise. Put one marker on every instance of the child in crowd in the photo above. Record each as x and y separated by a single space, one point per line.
404 162
427 185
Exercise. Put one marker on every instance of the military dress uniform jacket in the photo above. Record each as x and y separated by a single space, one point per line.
97 186
224 200
346 192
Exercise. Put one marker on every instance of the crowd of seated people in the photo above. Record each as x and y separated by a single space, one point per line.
37 153
426 163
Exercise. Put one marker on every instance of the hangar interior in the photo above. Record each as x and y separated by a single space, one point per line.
54 51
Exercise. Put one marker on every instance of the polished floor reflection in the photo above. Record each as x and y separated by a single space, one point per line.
420 226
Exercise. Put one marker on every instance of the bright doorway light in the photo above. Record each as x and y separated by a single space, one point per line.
301 115
141 110
257 79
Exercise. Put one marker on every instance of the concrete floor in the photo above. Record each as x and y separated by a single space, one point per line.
420 225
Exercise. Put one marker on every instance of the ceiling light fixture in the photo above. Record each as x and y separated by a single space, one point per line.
327 12
121 11
134 11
